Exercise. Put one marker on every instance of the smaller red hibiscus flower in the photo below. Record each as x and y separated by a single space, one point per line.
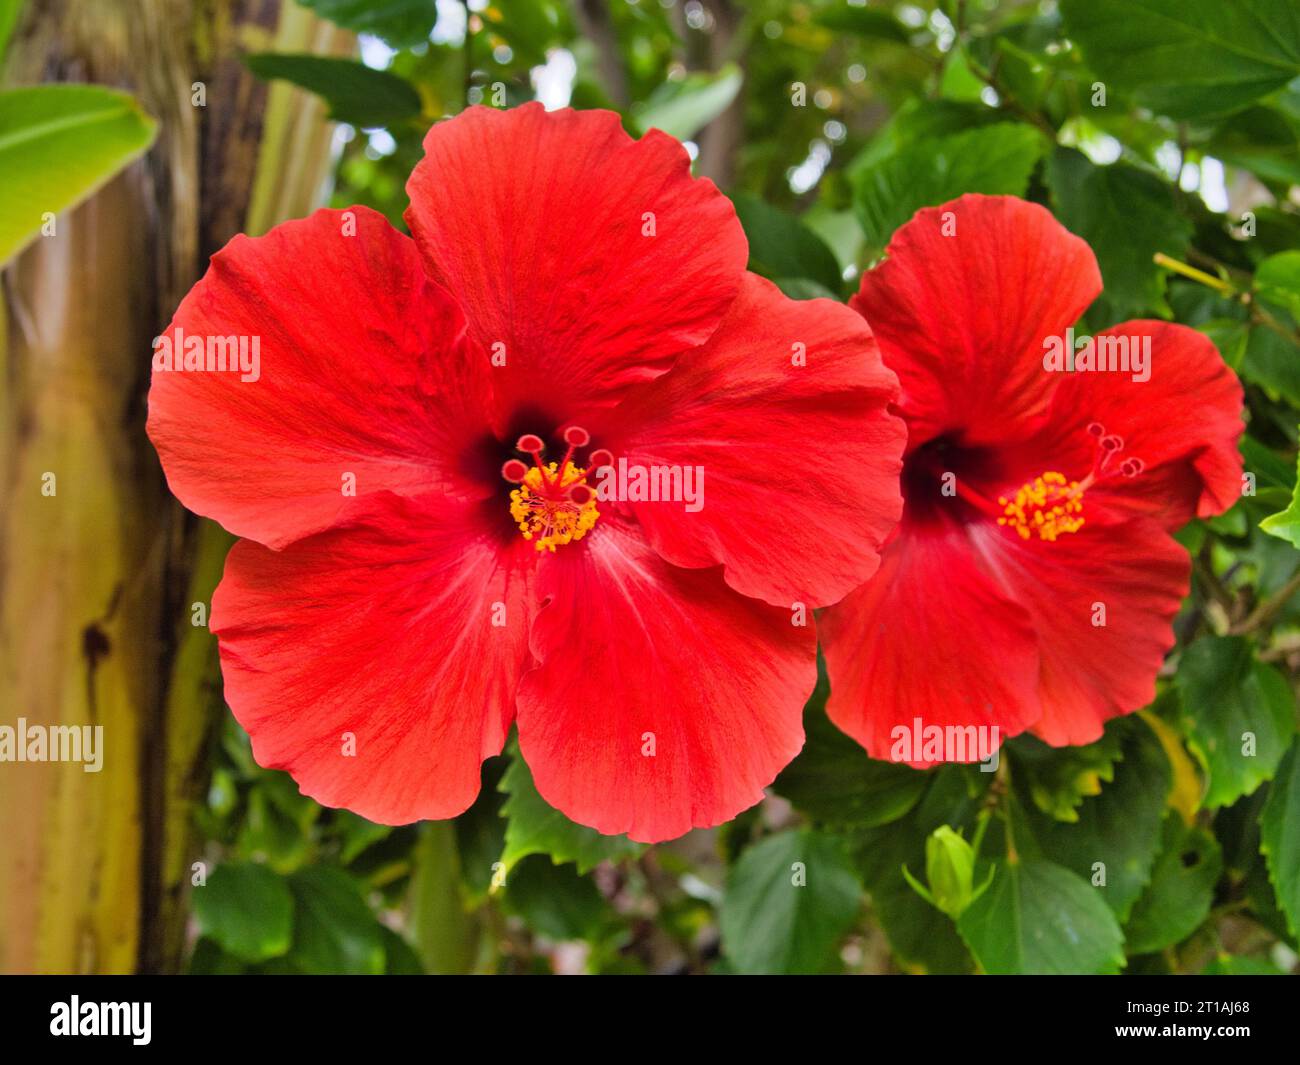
428 556
1033 580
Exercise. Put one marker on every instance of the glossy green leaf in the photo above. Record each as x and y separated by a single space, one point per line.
790 900
1181 891
1277 280
534 827
400 23
553 899
334 930
1189 59
1285 524
682 108
781 247
995 159
246 910
1126 215
1236 965
58 144
355 93
1280 837
923 938
864 21
1115 832
9 12
1040 919
834 781
1239 712
1060 778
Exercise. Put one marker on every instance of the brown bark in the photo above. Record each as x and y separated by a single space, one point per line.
97 580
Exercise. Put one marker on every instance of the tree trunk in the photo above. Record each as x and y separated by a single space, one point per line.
97 579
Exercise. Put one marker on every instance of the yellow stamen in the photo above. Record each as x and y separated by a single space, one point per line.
1048 505
544 512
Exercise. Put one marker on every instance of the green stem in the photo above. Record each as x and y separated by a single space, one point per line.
445 935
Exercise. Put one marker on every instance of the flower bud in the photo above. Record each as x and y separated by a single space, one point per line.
950 869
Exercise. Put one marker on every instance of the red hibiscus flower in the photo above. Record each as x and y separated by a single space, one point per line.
1033 579
417 467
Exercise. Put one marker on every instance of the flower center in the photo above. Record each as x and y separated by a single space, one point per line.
1048 505
1051 504
553 504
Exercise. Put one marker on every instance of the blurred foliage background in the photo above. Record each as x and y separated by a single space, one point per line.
1164 132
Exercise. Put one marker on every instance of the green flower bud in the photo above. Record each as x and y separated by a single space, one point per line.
950 869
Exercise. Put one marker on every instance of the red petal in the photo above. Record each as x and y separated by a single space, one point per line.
1183 423
933 637
384 630
535 221
353 339
1091 673
628 646
800 462
962 318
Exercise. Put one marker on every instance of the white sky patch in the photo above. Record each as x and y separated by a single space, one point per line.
804 176
1169 158
1101 148
911 15
1214 184
451 23
374 53
381 143
692 149
553 83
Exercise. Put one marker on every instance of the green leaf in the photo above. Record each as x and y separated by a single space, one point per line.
334 930
1237 965
400 958
58 144
528 26
995 159
921 936
209 959
1273 361
534 827
356 834
1037 918
1285 524
1126 215
553 899
1059 778
1189 59
245 909
834 781
1280 837
400 23
355 93
1277 279
868 22
782 247
481 832
790 900
1239 715
684 107
9 12
1181 891
1119 827
800 288
271 835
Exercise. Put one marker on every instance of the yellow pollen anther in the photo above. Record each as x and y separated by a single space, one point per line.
544 512
1048 505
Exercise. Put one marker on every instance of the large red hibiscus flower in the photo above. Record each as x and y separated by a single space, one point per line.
1033 579
427 554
